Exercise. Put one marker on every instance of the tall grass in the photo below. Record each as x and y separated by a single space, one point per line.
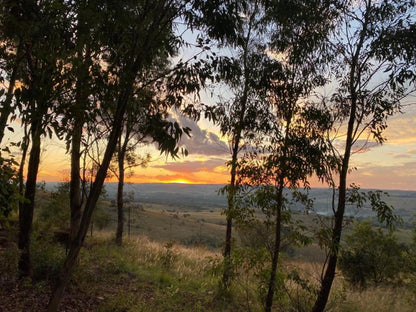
143 275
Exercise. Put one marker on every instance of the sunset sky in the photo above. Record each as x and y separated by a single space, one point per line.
390 166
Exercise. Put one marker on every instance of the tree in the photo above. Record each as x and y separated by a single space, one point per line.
45 41
294 147
85 53
240 116
370 256
11 58
135 33
371 84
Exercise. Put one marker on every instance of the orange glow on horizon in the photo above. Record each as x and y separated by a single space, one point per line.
178 181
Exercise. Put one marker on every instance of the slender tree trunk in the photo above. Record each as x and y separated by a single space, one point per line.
276 248
75 199
120 202
81 99
354 77
93 196
27 208
329 275
233 171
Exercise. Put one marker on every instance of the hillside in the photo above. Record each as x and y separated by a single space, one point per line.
144 275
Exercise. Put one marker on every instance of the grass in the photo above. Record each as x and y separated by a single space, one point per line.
171 262
144 275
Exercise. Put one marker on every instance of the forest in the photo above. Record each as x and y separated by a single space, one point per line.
297 89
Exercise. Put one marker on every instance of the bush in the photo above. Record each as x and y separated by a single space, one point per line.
47 259
9 190
371 256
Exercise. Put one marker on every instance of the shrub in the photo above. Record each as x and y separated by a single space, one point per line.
47 259
371 256
9 191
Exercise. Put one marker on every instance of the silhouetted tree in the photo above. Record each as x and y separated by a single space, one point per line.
135 33
371 82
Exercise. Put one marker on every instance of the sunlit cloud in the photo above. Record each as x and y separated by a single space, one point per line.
192 166
363 146
402 176
202 142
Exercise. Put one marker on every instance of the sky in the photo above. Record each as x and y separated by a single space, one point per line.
387 167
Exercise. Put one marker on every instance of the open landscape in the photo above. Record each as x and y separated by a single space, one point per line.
215 155
170 260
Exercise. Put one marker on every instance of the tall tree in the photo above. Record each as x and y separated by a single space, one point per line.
11 58
134 34
82 60
372 71
45 43
293 149
240 116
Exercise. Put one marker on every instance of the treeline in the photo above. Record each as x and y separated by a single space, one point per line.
103 77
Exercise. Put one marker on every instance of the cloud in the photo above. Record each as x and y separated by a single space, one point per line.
405 156
411 151
363 146
202 142
401 129
401 176
192 166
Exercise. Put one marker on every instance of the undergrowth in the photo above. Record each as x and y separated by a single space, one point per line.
146 276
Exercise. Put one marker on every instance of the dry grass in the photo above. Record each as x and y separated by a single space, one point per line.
145 275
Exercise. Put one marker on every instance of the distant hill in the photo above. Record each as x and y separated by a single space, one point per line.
205 197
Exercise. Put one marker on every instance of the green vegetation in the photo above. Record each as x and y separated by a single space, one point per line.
104 77
144 275
161 274
371 257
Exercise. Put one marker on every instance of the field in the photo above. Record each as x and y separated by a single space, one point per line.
170 262
144 275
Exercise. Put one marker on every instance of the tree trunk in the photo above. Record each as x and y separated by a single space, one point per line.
276 249
81 99
27 208
75 200
329 275
120 203
233 173
93 196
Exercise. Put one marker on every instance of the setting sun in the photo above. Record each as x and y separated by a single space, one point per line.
179 181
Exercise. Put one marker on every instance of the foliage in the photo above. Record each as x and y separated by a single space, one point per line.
54 213
259 232
8 263
47 258
9 190
370 84
371 257
168 259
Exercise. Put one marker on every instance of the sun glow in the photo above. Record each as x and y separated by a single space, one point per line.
179 181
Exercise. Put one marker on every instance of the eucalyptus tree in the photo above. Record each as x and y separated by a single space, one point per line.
145 123
10 61
125 156
241 115
291 144
293 149
134 35
84 74
374 71
41 33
